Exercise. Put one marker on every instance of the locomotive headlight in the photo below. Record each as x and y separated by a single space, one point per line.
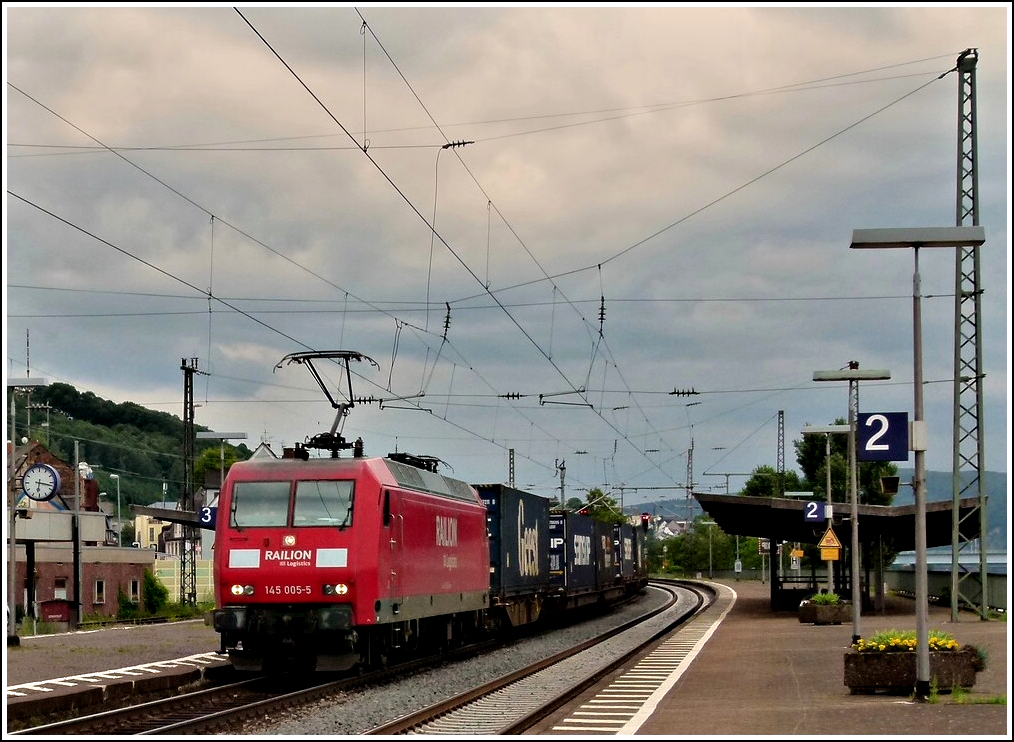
338 589
239 590
289 540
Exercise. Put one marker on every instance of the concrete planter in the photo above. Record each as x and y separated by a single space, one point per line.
895 672
824 615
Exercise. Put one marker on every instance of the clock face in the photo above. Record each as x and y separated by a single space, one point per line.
41 482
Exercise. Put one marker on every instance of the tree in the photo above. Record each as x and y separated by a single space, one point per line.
601 507
656 554
811 455
211 459
575 503
766 482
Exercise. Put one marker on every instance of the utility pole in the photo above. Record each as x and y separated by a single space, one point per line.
562 468
690 478
969 456
188 542
781 454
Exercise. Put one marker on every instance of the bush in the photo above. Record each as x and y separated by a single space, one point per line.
980 656
825 599
156 595
126 608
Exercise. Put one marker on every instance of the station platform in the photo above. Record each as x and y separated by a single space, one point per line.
760 673
763 673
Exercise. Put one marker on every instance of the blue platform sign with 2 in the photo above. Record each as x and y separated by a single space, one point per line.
882 436
813 511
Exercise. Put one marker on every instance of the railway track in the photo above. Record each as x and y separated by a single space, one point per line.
228 705
231 706
513 703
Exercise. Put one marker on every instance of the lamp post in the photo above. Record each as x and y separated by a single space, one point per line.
827 430
15 385
709 523
915 238
221 438
852 375
119 521
82 472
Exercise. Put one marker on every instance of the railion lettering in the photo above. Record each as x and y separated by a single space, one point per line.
286 555
447 531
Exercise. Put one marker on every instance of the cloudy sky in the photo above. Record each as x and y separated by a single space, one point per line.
612 238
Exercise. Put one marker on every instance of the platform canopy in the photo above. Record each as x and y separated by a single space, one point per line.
782 519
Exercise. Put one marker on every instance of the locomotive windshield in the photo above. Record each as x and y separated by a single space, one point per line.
325 502
259 504
318 503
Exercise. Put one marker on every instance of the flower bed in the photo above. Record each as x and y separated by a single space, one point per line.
824 609
887 663
825 614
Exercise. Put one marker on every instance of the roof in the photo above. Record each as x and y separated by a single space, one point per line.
781 519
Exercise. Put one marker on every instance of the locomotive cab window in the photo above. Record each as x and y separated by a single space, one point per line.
259 504
325 502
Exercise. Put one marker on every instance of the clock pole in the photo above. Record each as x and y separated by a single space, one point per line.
12 568
14 385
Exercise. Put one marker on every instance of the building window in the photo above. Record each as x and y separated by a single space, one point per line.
135 591
60 588
100 591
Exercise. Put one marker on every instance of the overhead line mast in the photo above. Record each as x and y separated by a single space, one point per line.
968 464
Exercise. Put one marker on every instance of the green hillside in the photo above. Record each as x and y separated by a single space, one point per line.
142 446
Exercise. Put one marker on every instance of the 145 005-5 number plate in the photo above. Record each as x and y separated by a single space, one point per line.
288 590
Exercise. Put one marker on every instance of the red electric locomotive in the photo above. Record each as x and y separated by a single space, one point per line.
335 561
332 562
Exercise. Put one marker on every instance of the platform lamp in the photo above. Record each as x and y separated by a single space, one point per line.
15 386
221 438
119 517
916 237
827 430
853 374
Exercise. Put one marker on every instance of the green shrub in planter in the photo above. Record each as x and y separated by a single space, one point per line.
825 599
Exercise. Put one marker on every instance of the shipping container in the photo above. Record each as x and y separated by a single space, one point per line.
518 525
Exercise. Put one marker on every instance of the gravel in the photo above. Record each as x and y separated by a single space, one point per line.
357 712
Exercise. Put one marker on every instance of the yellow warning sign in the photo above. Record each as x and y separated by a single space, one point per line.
829 540
829 555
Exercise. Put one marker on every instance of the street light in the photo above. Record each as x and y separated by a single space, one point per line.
119 521
852 375
221 438
15 385
915 238
827 430
82 471
709 523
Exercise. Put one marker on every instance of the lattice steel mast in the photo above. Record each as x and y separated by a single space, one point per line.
968 453
188 542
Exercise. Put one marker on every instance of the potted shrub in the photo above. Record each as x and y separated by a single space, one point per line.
825 608
886 662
